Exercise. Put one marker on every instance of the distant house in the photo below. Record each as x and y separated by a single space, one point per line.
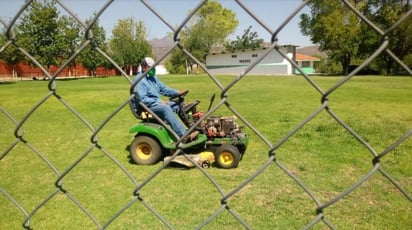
237 61
306 63
273 64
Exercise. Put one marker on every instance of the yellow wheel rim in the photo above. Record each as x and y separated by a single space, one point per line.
143 151
226 158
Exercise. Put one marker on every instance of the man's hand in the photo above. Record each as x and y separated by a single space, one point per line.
183 92
179 94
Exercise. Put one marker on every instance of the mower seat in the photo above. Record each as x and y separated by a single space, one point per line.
139 112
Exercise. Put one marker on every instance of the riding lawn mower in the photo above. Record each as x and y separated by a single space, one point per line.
220 140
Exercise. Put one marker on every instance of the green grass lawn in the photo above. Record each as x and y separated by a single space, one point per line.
57 141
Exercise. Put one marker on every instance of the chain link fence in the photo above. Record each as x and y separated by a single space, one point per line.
320 214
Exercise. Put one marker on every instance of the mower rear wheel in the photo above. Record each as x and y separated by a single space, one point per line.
227 156
145 150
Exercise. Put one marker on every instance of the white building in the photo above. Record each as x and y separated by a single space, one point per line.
160 69
236 62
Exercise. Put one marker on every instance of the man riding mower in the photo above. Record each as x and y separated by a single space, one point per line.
219 135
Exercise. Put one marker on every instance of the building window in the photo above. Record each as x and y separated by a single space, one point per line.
305 63
234 56
244 61
254 55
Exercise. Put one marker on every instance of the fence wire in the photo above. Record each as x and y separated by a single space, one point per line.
320 216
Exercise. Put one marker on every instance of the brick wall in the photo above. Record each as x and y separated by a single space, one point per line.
27 71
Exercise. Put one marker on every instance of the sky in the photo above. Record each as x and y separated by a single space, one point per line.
273 13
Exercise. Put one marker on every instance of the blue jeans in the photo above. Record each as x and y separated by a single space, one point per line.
167 113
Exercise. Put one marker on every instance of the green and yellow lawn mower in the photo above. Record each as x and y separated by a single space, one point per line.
220 142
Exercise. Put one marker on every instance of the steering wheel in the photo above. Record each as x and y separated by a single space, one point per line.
180 96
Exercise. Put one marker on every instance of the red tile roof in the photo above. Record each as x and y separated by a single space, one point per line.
302 57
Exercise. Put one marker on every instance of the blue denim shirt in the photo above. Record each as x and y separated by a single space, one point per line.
149 90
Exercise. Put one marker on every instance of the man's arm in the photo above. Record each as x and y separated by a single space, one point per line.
167 91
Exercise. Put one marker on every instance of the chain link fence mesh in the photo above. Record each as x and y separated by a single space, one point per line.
61 191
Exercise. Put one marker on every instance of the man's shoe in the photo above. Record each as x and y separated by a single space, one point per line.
191 137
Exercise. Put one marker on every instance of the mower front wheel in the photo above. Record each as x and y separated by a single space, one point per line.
145 150
227 156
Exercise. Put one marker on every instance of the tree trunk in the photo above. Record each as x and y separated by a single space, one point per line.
389 65
14 72
345 63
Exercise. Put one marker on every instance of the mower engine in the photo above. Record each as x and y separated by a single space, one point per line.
220 126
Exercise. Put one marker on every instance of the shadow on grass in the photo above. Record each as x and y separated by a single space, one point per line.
7 82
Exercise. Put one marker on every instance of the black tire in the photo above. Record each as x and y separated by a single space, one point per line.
227 156
145 150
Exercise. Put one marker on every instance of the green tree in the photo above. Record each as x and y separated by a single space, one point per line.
210 26
249 40
345 37
385 13
69 39
38 32
336 29
177 62
90 58
328 66
11 55
129 43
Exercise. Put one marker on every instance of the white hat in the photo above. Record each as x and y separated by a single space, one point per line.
148 61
